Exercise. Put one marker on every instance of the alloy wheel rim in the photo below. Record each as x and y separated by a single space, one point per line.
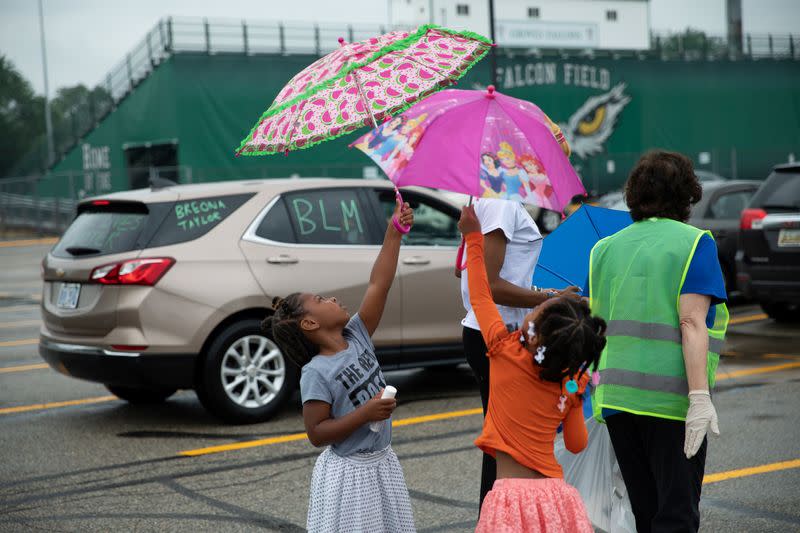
253 371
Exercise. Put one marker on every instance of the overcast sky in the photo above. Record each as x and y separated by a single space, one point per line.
86 38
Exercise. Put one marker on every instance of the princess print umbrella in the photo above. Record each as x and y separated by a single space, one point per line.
480 143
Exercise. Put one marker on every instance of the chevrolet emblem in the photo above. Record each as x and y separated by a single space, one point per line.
60 273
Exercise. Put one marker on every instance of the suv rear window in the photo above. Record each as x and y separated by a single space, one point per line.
191 219
118 227
112 229
781 192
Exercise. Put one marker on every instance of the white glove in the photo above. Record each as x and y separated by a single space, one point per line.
700 416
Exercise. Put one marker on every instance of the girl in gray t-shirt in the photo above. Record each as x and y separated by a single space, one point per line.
357 484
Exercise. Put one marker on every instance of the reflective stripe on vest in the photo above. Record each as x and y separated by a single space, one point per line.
655 332
640 380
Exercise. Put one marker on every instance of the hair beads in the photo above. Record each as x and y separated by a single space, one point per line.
572 387
562 403
539 357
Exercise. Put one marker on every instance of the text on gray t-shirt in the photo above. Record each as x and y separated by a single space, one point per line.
346 381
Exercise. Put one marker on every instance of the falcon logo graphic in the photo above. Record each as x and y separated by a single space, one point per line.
592 124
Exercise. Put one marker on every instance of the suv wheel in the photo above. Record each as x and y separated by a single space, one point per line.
782 312
245 378
138 395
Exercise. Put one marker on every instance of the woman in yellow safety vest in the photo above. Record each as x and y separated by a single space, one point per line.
659 286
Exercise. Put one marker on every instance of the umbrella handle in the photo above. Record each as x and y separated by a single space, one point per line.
399 226
460 264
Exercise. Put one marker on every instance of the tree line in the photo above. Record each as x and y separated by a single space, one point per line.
23 150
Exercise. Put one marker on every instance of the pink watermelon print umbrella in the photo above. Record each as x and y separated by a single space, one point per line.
361 84
480 143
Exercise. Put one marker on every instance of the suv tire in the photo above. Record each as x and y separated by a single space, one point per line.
782 312
137 395
244 378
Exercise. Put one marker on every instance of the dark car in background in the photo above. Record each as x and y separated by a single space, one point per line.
718 211
768 256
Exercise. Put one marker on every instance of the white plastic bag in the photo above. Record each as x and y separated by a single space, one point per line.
595 473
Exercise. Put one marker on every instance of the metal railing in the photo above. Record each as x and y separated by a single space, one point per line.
233 36
702 47
199 35
24 206
46 204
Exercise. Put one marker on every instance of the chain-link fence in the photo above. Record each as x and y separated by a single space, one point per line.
23 206
46 204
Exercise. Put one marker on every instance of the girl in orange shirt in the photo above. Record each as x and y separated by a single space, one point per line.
536 378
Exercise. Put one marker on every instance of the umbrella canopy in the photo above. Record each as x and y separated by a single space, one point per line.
480 143
362 83
564 259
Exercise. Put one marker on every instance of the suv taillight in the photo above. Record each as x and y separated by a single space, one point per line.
752 218
133 272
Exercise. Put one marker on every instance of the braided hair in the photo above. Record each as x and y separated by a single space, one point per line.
283 326
573 337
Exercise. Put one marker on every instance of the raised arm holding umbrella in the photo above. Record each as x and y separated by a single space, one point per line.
361 84
504 151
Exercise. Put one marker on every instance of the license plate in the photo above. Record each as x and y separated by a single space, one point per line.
68 295
789 238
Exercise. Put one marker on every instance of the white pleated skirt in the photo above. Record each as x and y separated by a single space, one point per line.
360 493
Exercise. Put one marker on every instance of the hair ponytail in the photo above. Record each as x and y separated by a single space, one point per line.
283 326
573 337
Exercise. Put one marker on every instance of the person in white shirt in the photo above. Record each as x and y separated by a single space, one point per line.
512 244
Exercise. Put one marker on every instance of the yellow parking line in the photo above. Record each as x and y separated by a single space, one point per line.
753 470
435 417
18 342
780 356
19 324
53 405
302 436
429 418
22 368
748 318
242 445
28 242
758 370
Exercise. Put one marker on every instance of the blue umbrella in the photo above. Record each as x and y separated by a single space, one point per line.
564 260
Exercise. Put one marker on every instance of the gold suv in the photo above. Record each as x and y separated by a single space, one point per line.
150 291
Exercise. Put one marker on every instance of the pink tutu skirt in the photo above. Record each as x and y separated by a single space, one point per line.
533 506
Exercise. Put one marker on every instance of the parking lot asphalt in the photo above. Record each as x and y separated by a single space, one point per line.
75 458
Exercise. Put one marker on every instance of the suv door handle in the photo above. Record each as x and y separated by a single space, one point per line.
282 260
416 260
